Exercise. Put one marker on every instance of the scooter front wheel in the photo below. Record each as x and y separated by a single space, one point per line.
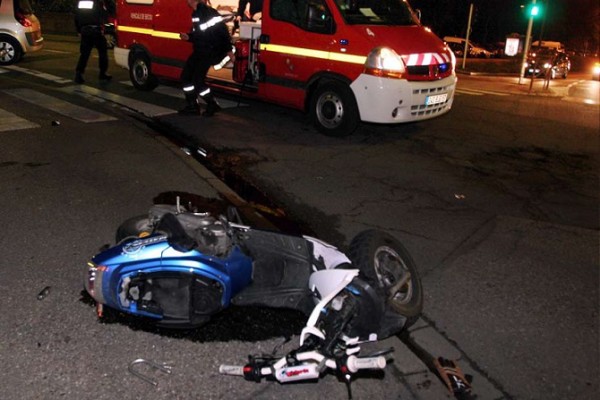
388 266
134 227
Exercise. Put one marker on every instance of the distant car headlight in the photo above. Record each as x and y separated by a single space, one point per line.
547 65
596 69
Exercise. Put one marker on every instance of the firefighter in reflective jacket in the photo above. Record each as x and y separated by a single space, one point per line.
90 18
212 44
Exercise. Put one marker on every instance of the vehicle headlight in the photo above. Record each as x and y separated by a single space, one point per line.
385 62
93 280
596 68
547 65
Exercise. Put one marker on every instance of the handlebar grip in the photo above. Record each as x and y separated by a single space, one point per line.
355 363
236 370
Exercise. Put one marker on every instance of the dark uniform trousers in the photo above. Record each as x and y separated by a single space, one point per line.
92 36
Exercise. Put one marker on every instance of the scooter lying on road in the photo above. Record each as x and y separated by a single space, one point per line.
178 268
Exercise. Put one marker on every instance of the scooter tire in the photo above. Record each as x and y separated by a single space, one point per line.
384 262
134 227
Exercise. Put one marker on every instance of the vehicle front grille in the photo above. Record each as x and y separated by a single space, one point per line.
434 90
428 72
421 109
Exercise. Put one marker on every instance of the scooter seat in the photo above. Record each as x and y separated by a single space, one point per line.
176 235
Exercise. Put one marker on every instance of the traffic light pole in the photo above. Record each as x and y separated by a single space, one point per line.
467 36
526 47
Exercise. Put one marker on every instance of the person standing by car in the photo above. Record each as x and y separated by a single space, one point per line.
90 18
211 44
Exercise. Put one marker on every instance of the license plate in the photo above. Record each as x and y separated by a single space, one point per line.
437 99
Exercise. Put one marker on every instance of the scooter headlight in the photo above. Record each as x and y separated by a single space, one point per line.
386 63
93 281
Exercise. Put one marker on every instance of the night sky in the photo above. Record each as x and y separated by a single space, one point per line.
573 22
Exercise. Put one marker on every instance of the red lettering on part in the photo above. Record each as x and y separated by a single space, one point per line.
296 372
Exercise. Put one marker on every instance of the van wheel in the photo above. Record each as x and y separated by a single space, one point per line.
140 72
10 50
333 109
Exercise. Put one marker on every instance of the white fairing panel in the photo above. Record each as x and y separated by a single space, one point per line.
331 256
327 284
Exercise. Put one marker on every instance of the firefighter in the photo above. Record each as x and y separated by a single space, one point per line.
255 10
90 18
211 44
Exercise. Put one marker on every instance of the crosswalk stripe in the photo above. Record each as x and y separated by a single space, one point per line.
478 92
12 122
39 74
150 110
178 93
59 106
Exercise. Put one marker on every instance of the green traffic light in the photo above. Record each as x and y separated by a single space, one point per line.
535 10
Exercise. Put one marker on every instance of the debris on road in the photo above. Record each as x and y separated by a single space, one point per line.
162 367
42 295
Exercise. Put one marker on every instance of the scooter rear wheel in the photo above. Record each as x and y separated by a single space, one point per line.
387 265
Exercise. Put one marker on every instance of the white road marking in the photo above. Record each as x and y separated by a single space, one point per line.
59 106
42 75
12 122
178 93
147 109
477 92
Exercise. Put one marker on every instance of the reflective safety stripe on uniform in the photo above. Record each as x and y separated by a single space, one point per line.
188 88
205 92
85 5
210 23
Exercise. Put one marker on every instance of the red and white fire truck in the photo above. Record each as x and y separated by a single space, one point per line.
342 61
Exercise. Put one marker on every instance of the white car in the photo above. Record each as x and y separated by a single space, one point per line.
20 31
457 45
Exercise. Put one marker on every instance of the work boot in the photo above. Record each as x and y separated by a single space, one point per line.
105 77
79 78
192 107
211 106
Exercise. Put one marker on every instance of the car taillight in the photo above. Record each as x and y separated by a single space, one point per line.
386 63
23 20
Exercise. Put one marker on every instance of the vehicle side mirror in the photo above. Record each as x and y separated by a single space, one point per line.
418 14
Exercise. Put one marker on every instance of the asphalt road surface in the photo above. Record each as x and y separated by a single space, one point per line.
497 202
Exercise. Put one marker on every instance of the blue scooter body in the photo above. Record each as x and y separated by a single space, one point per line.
136 276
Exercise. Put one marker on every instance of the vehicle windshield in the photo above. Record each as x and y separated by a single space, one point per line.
542 53
376 12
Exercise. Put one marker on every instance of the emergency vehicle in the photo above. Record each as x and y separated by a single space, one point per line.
342 61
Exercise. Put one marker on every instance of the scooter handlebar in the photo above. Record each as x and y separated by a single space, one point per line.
355 363
236 370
